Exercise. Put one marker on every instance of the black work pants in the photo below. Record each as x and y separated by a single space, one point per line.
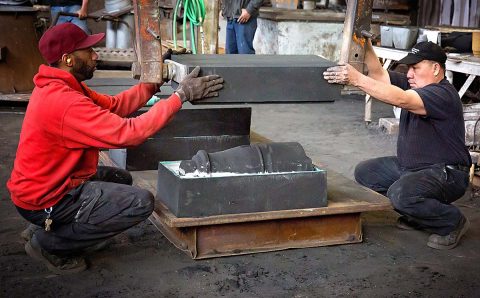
423 195
98 209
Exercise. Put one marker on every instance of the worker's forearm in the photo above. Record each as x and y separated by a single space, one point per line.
83 11
382 91
375 69
406 99
132 99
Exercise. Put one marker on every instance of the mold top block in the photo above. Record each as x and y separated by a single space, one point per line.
264 78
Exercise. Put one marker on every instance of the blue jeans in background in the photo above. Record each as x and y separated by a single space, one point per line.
239 38
54 10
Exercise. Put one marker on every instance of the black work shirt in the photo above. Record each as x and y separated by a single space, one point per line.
439 136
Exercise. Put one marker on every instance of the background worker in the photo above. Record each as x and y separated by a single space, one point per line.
431 169
55 183
241 18
70 6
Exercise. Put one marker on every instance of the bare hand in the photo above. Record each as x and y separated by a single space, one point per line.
193 87
344 74
244 17
82 12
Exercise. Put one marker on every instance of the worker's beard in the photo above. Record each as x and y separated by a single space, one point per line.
83 71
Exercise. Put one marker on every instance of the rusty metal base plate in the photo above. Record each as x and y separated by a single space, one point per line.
237 238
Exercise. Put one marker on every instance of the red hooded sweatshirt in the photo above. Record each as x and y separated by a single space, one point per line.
65 125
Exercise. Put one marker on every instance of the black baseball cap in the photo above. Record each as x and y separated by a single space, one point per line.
425 50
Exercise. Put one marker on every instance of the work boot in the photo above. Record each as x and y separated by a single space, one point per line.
29 231
451 240
404 223
56 264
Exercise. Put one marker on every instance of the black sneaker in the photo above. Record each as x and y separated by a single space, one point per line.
29 231
404 223
451 240
56 264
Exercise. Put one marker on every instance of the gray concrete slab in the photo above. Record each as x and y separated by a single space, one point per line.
141 262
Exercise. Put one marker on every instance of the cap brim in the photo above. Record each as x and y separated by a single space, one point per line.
410 59
90 41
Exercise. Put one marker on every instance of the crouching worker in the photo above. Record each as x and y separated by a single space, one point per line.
431 169
55 183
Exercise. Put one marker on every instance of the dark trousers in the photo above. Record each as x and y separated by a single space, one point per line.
239 38
98 209
423 195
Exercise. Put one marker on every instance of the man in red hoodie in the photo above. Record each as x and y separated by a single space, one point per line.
55 183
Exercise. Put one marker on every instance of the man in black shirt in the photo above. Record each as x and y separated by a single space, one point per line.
431 169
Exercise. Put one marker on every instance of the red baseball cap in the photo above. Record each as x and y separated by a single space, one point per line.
65 39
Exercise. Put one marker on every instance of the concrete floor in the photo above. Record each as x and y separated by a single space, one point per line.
142 263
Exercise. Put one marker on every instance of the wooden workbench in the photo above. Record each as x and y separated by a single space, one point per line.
235 234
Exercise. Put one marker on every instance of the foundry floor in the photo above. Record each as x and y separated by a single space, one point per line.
142 263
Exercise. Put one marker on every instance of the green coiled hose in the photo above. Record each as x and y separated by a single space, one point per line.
194 11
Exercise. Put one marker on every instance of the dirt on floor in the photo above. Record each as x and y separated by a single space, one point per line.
143 263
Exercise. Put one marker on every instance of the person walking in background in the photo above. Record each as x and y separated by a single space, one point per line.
241 18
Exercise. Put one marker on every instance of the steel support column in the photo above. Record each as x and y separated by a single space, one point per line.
357 19
148 46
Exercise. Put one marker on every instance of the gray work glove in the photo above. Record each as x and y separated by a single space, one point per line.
193 87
